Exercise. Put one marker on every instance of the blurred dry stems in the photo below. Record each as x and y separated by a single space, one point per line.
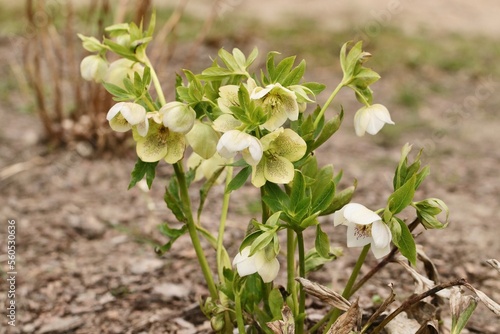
71 109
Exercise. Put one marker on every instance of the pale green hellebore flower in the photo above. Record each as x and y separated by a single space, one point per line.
281 148
228 97
234 141
364 227
121 69
124 116
266 266
203 139
278 102
207 167
371 119
160 143
226 122
93 68
178 117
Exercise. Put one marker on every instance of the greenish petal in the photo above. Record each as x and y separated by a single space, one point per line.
176 143
278 170
289 145
153 147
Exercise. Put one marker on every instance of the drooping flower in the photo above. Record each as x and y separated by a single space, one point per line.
262 262
121 69
123 116
93 68
278 102
371 119
364 227
281 148
178 117
203 139
160 143
234 141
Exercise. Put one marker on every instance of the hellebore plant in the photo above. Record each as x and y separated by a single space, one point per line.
264 125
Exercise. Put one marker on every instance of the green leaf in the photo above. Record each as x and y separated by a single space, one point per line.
171 233
120 49
174 204
314 261
117 91
295 75
406 243
330 127
323 199
142 169
315 87
340 199
275 301
310 221
262 241
322 243
239 180
402 197
297 191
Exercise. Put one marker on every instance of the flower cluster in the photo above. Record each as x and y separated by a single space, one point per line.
227 117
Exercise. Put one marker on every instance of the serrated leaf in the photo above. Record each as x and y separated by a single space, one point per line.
261 241
310 221
340 199
322 243
295 75
174 205
171 233
315 87
402 197
142 169
297 191
239 180
275 302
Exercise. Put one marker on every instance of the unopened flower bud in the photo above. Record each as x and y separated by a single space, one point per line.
178 117
93 68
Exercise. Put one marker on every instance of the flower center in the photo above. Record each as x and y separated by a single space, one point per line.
162 135
363 231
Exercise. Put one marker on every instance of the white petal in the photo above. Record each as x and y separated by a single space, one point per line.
358 236
254 153
270 270
134 113
380 252
114 110
142 128
245 264
381 234
359 214
260 92
338 217
361 120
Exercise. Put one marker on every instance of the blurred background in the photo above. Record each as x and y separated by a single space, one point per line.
85 244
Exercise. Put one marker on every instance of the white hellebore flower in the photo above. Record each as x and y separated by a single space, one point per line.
364 227
371 119
267 267
278 102
93 68
234 141
125 115
206 168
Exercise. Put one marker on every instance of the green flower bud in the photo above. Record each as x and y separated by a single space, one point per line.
93 68
203 139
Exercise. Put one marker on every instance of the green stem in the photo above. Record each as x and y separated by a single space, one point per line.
347 293
222 225
156 82
290 269
239 313
327 103
265 209
193 233
302 293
